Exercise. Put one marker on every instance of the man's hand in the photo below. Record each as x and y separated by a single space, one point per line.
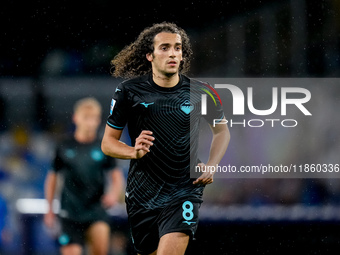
143 143
206 177
49 219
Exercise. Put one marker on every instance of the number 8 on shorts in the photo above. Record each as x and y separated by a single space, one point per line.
187 210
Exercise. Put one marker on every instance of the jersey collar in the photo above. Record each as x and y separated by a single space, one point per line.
177 86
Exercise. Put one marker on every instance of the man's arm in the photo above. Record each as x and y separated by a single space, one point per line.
50 187
116 188
111 146
219 145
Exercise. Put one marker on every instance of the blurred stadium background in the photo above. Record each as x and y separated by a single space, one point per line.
53 53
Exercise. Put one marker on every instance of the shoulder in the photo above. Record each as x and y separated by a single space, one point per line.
202 85
127 84
185 78
196 82
65 141
193 82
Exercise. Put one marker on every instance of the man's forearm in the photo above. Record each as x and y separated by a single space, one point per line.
113 147
218 146
117 149
50 186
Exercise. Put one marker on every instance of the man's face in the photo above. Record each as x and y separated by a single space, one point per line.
87 119
167 54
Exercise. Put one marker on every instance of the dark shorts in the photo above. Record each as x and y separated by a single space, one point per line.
148 226
73 232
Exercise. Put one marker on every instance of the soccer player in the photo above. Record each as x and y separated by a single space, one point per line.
83 165
162 109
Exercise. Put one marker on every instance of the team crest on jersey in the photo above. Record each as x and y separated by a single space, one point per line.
187 107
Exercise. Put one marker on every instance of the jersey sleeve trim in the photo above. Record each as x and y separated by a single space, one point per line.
115 127
220 118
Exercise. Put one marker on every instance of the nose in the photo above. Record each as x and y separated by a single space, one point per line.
172 52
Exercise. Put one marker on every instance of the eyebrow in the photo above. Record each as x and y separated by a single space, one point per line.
168 44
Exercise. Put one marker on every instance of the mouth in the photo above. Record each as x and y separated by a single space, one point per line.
172 63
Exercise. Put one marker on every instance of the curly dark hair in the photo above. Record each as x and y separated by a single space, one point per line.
131 61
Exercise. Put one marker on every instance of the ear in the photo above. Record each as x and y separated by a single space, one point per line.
149 57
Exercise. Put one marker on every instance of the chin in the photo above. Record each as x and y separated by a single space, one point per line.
171 72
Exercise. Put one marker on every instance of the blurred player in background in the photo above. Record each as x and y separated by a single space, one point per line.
83 166
162 115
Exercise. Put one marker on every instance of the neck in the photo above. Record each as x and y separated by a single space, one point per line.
84 137
165 81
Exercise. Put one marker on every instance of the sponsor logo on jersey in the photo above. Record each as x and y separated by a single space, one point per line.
146 104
